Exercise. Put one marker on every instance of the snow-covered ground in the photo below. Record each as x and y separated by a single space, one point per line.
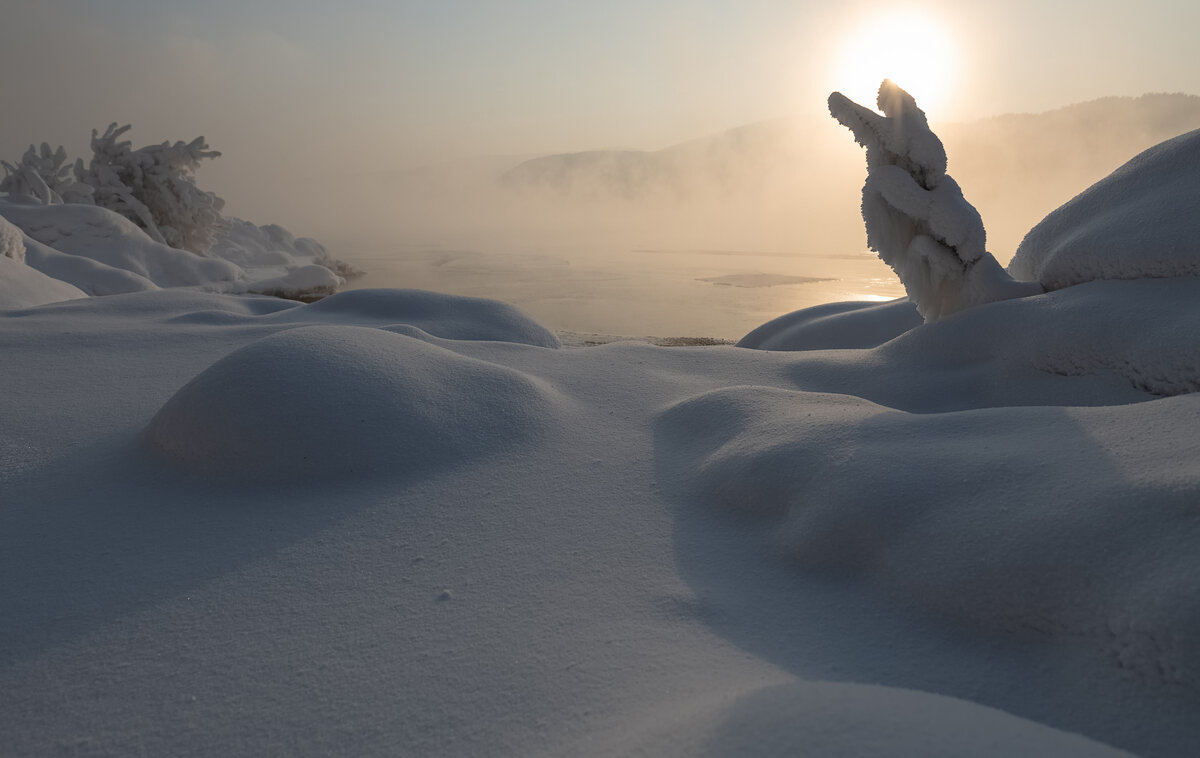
98 252
393 522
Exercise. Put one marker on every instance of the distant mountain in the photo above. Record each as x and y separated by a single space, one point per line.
729 161
1015 168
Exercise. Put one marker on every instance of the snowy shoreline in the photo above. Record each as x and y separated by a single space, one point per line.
398 521
488 529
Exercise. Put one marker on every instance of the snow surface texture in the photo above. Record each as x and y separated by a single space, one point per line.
396 522
245 525
916 216
1140 221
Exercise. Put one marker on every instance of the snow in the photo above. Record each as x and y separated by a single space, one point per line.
24 287
20 285
12 245
916 216
91 276
103 253
97 233
401 522
389 403
245 524
1140 221
835 325
830 719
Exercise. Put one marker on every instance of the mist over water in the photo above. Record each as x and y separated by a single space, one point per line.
358 124
708 238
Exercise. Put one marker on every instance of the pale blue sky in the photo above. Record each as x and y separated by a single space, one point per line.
364 83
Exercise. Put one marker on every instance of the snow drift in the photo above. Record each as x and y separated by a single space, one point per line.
331 402
133 220
104 253
91 231
24 287
1140 221
394 521
830 719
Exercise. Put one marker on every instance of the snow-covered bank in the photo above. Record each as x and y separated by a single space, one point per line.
102 253
135 220
354 527
399 522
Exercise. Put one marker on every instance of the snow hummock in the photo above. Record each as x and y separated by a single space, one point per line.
244 522
915 213
12 244
20 285
447 316
90 231
103 253
857 324
24 287
1140 221
389 403
831 719
398 522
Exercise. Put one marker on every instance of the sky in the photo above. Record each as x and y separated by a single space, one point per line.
300 87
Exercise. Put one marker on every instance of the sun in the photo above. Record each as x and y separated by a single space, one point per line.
909 47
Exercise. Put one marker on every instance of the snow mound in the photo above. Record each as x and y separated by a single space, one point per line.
1139 221
326 402
278 263
93 277
447 316
1050 523
12 242
109 238
832 719
171 306
835 325
1103 342
252 246
299 281
25 287
20 285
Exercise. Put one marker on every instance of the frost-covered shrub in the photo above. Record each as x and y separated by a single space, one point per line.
915 213
154 186
134 219
45 176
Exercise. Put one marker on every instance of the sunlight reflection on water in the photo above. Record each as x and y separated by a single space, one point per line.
712 293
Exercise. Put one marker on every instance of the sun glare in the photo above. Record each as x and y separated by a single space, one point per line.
909 47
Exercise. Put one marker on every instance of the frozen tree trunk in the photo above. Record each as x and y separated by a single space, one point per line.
915 213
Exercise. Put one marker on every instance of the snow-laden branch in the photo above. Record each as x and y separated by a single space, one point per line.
915 213
154 186
44 176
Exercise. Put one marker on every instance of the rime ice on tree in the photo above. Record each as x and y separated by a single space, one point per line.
915 213
44 176
154 187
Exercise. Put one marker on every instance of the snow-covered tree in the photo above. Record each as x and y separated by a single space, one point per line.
45 176
155 187
916 216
